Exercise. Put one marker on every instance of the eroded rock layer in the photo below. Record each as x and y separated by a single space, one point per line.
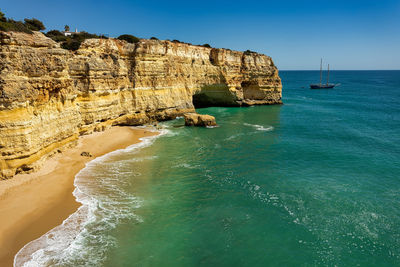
201 120
49 96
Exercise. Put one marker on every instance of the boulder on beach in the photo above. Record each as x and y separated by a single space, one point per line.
86 154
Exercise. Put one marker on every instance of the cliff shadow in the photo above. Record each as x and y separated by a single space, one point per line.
214 95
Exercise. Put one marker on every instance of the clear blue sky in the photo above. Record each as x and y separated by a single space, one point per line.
352 34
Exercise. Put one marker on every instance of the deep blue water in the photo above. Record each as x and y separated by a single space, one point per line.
313 182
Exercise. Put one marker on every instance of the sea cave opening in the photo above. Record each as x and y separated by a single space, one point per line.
216 95
202 101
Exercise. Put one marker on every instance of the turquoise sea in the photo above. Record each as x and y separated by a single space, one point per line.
313 182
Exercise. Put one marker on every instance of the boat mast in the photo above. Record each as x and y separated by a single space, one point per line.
327 79
320 73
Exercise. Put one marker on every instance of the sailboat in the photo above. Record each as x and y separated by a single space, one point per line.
320 85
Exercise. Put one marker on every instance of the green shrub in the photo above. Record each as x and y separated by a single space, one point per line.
248 52
129 38
207 45
34 24
60 38
72 45
56 36
18 26
83 36
74 41
15 26
2 17
54 33
153 38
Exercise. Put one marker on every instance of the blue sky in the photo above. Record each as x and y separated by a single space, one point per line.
348 34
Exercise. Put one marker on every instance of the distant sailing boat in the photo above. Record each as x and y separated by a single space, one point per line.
320 85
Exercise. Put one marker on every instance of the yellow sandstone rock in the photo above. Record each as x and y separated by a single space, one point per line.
194 119
49 96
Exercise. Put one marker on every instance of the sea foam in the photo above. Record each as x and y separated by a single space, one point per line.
259 127
82 239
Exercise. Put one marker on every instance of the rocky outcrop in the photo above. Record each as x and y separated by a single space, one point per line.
86 154
194 119
49 96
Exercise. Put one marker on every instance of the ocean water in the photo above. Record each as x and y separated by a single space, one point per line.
313 182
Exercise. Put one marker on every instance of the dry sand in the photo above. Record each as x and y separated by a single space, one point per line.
32 204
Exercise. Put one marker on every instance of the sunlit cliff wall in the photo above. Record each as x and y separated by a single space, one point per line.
49 96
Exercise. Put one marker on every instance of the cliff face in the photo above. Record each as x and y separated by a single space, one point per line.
49 96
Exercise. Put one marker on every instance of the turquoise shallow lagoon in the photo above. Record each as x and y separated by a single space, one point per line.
313 182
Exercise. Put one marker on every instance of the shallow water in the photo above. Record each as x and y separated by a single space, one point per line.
313 182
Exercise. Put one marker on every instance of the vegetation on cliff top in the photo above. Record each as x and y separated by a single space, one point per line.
34 24
29 25
129 38
248 52
71 42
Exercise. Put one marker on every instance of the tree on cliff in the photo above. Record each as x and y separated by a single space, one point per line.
2 17
66 28
249 52
34 24
56 35
71 44
129 38
7 25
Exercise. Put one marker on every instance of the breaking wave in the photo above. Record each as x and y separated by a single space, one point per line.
84 237
259 127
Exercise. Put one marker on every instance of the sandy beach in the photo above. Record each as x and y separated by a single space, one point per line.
32 204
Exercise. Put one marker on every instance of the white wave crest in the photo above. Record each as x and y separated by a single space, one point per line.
77 242
259 127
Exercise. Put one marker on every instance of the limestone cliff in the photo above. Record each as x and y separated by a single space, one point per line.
49 96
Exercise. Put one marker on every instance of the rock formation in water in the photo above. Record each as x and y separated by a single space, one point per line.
194 119
50 96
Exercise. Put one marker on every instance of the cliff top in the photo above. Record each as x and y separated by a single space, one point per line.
38 39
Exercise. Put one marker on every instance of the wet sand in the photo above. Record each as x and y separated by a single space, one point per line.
32 204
